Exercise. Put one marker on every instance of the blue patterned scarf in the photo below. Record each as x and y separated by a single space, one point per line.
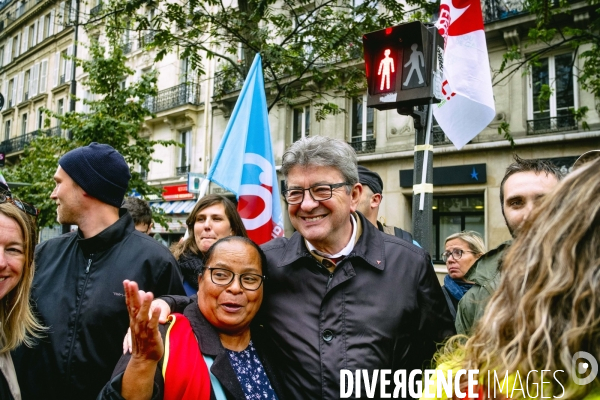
456 288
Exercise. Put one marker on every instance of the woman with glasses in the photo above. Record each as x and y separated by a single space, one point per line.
212 350
213 217
18 238
462 250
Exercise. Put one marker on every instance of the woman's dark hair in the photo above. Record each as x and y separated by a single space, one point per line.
189 244
215 247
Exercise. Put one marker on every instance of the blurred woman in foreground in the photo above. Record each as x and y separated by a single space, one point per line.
547 308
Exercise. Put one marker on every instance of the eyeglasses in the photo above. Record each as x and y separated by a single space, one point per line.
456 254
25 207
223 277
320 192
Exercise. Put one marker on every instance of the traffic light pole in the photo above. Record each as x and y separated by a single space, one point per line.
422 214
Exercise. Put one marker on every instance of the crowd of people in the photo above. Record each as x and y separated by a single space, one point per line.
218 317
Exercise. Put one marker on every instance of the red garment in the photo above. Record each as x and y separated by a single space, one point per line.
184 369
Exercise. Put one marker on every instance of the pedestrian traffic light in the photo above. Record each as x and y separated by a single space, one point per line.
400 65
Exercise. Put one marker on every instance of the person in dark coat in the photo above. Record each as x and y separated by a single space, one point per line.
213 217
217 336
78 285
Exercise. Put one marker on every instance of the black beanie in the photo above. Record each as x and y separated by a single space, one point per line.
371 179
100 170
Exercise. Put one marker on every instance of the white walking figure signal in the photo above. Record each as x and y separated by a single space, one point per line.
386 65
415 61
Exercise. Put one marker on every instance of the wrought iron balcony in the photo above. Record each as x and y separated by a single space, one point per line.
540 126
495 10
186 93
127 47
18 9
182 170
19 143
368 146
96 10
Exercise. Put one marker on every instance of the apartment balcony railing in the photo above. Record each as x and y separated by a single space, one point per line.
553 124
96 10
368 146
19 143
182 170
495 10
186 93
17 9
127 47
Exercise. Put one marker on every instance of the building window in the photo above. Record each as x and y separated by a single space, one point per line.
452 214
553 74
31 36
361 135
1 56
60 109
301 123
15 47
184 152
11 89
7 130
47 21
40 118
24 124
26 84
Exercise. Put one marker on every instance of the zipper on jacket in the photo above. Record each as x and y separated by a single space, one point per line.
329 280
87 270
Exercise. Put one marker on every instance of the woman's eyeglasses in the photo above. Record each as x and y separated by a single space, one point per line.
223 277
456 254
25 207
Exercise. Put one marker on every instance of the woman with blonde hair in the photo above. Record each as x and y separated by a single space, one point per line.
18 238
463 249
547 308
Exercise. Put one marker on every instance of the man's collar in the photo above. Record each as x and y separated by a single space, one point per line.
345 251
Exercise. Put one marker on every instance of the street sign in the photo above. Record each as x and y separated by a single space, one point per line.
399 66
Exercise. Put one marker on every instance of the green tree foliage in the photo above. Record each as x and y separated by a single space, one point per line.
115 117
308 48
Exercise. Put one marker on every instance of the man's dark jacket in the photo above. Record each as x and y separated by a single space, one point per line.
210 345
381 308
78 294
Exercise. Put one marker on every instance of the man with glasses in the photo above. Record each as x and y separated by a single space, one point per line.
525 182
78 286
341 294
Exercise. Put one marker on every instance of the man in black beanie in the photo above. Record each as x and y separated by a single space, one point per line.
78 285
370 199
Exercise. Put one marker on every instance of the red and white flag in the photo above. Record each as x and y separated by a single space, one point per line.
468 104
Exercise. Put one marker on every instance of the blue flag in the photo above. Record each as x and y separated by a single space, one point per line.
244 163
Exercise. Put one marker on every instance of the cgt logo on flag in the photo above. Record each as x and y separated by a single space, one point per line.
255 201
468 103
